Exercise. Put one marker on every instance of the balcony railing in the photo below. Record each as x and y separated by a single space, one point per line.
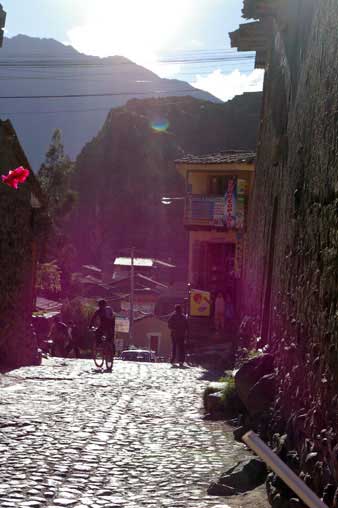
213 211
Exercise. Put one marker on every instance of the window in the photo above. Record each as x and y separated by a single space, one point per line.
217 185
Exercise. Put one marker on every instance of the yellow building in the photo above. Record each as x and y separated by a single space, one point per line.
218 192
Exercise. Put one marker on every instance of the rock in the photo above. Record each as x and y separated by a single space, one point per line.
294 502
240 431
335 499
248 375
217 489
214 404
245 476
216 386
280 501
310 462
328 494
262 395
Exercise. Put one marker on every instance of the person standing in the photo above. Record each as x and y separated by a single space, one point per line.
178 324
59 335
219 311
229 313
73 343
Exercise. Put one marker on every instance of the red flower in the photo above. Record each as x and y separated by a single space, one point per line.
16 176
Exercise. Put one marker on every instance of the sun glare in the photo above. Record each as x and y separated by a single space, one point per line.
136 29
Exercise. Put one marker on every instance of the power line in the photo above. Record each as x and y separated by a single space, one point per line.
106 94
87 64
107 75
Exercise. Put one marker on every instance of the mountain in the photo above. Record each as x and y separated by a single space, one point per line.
33 66
124 171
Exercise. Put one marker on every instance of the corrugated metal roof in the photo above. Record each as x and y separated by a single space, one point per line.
155 282
93 268
47 305
227 157
124 261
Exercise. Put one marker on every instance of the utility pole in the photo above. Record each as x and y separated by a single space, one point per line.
131 310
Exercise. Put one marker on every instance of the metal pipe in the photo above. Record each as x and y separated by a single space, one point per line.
283 471
131 310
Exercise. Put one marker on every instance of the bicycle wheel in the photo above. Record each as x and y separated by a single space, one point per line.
109 355
98 353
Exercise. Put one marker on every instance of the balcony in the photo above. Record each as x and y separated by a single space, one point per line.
213 212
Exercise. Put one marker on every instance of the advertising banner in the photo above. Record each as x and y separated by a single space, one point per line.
230 202
219 204
242 188
200 303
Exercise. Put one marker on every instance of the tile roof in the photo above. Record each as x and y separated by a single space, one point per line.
229 156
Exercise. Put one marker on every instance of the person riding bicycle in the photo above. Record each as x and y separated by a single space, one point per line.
106 318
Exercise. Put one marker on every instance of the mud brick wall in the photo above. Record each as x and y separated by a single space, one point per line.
292 269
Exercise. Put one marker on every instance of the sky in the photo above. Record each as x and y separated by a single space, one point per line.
148 32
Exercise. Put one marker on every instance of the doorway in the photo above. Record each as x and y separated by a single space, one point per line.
154 343
220 266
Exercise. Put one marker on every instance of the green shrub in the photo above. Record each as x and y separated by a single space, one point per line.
80 311
231 402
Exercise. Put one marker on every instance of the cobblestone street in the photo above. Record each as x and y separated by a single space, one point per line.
72 436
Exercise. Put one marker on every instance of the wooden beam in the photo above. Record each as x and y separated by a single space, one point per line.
2 24
249 37
257 9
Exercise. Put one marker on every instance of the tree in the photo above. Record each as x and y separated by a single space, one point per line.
55 179
48 279
54 176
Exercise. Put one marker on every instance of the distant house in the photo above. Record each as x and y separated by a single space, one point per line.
151 267
150 332
23 227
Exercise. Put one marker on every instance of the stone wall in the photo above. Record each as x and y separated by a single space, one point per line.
20 231
292 270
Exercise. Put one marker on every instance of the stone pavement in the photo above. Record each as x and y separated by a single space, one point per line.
74 437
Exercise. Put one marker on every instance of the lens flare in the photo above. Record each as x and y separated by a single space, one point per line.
160 125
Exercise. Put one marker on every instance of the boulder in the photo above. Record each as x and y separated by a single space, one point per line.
214 403
262 395
251 372
240 431
246 475
217 489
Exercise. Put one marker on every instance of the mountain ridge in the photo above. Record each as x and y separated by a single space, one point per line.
123 172
34 66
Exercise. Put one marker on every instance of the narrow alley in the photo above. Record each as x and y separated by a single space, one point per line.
74 437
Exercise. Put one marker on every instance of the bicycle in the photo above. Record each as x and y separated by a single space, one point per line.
103 352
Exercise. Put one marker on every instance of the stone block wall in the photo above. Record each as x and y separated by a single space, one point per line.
292 264
21 232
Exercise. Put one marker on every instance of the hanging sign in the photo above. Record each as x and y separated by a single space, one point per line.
122 324
200 303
